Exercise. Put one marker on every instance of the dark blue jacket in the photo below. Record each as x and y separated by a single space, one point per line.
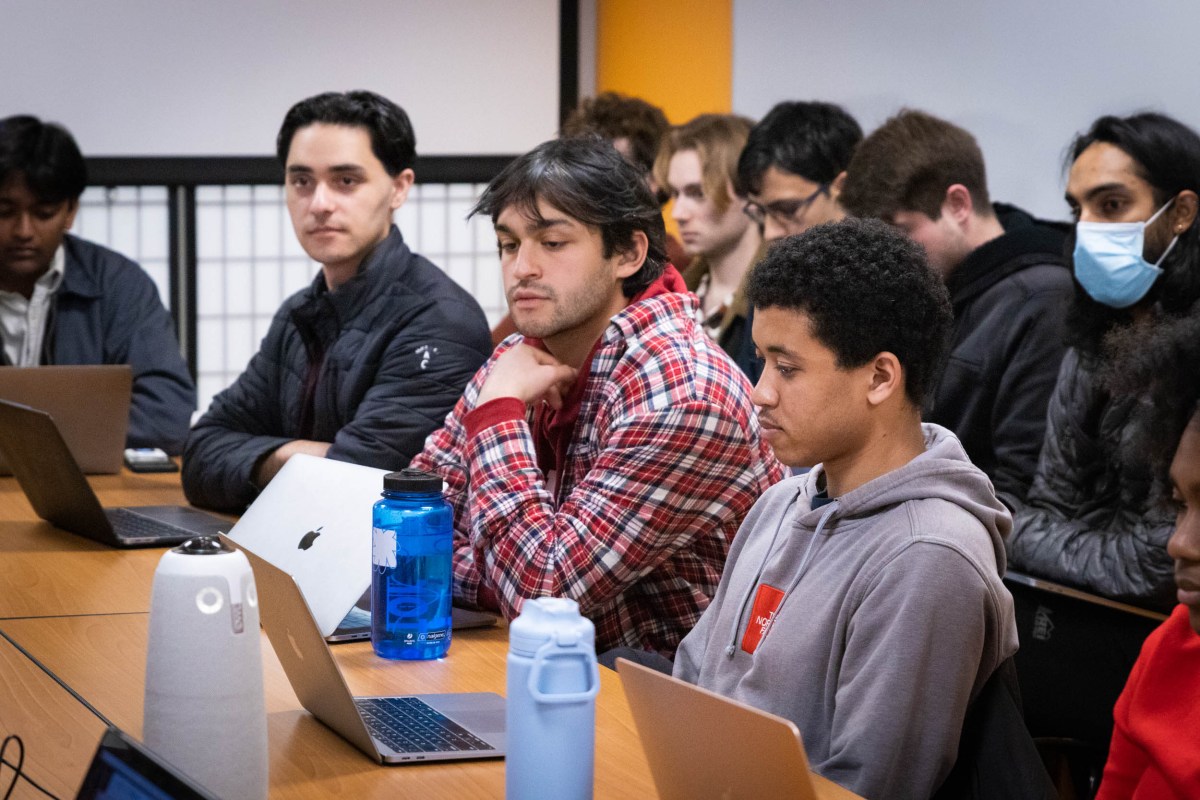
392 350
108 311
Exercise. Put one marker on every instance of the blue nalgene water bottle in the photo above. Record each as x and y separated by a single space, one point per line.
551 707
411 548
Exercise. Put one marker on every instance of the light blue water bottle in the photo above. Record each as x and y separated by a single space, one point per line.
412 546
551 707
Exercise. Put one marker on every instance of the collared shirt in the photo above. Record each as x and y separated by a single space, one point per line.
711 322
664 462
23 321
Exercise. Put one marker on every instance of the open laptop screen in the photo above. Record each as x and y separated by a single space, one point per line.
122 769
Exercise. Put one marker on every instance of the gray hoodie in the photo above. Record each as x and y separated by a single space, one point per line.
891 618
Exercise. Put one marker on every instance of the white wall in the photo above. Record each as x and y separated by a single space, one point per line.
1024 76
215 77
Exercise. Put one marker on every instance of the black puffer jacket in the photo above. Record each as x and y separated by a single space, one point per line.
1010 299
396 345
1091 520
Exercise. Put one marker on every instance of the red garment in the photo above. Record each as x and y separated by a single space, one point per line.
1155 753
552 430
658 469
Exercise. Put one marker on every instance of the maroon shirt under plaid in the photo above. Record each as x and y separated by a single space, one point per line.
664 462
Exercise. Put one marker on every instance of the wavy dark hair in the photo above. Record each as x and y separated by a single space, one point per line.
1166 154
867 289
45 155
587 179
392 139
1159 364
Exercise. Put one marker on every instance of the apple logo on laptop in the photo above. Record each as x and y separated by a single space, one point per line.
306 541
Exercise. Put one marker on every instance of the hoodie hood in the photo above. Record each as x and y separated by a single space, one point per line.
942 472
1026 242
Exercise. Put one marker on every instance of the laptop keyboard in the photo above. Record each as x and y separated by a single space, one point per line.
409 725
131 525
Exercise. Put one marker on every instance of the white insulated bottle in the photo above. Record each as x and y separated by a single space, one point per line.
204 710
552 681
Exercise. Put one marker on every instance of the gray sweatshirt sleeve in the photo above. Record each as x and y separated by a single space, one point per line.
914 654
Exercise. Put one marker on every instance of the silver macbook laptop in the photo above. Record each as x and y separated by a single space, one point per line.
90 404
702 745
392 730
61 495
314 521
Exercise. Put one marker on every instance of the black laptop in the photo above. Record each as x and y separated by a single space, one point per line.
61 495
122 769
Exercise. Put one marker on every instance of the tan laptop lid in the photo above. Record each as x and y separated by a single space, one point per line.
702 745
89 404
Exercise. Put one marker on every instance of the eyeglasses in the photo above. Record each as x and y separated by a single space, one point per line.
784 212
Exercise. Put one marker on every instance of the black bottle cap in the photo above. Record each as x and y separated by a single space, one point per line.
413 481
203 546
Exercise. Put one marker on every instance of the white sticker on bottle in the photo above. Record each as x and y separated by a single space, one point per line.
383 547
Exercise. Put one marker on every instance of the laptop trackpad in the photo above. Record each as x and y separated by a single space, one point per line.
482 713
185 517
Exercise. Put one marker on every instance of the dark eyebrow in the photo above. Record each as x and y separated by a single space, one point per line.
780 350
337 168
535 225
550 222
1095 190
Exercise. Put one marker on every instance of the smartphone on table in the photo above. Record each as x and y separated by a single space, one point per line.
149 459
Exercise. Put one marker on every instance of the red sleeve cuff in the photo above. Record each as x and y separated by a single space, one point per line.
493 412
486 599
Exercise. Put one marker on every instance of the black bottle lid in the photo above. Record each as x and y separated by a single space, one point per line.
203 546
412 481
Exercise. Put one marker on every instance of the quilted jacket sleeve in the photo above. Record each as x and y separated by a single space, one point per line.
228 441
1076 527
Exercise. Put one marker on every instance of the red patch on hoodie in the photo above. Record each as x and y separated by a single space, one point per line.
766 603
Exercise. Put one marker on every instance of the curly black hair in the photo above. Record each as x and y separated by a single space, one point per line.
867 289
1159 363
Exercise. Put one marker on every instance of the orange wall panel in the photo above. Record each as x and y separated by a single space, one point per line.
675 54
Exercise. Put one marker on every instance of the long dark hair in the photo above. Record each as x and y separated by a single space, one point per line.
1166 154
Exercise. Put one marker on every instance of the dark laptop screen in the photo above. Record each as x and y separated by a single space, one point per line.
124 770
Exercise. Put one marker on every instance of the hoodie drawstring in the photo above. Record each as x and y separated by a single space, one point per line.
731 648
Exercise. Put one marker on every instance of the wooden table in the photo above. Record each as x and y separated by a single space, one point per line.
59 732
102 658
73 637
46 572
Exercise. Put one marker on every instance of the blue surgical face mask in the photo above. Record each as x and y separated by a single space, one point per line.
1109 262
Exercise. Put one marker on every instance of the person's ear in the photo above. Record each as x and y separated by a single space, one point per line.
1183 211
958 205
72 210
887 378
631 257
837 185
401 184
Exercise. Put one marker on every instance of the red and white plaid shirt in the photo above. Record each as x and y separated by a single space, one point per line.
664 463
